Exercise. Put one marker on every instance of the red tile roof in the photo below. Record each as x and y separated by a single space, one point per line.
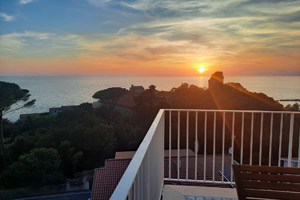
107 178
124 154
62 108
30 115
200 167
130 154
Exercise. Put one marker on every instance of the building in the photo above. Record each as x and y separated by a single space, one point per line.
24 116
61 109
136 89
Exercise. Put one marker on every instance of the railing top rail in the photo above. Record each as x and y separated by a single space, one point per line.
241 111
129 175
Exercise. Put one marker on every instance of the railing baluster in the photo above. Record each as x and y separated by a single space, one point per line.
299 150
145 176
187 147
135 189
271 138
148 175
280 140
170 143
223 146
290 155
205 136
242 138
142 180
214 148
251 138
130 194
261 137
178 146
139 183
232 145
196 144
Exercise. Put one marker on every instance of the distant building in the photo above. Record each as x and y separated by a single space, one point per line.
24 116
61 109
137 89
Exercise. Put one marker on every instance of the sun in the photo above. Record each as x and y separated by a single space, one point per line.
201 68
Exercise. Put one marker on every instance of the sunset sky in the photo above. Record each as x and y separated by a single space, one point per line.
149 37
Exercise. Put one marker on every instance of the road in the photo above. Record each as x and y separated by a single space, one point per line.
65 196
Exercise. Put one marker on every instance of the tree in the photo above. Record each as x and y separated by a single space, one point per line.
110 95
39 167
148 104
294 107
10 93
152 88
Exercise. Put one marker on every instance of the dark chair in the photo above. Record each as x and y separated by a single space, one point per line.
264 182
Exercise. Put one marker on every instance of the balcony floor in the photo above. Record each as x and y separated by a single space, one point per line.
183 192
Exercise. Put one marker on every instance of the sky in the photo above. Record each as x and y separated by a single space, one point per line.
149 37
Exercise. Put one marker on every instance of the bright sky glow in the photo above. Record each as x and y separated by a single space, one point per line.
149 37
201 68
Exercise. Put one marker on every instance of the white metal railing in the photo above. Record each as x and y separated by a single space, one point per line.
250 137
143 178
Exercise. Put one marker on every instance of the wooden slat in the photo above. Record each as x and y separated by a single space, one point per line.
260 182
269 169
238 182
271 185
272 194
269 177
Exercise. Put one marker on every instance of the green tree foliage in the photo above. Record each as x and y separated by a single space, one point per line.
110 95
84 137
10 129
189 96
20 145
39 167
148 104
293 107
10 93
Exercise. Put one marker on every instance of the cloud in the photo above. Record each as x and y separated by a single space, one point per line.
24 2
231 33
98 2
6 17
19 43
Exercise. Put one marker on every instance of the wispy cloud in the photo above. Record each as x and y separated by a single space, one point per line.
231 34
18 42
23 2
6 17
98 2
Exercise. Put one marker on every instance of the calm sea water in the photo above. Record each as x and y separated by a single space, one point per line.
59 91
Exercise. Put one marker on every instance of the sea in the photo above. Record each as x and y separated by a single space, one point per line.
56 91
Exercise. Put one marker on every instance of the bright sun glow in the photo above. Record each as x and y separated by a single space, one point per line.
201 68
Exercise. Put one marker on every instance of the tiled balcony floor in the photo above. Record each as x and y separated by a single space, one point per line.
181 192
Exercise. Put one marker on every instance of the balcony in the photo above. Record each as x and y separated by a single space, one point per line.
201 147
